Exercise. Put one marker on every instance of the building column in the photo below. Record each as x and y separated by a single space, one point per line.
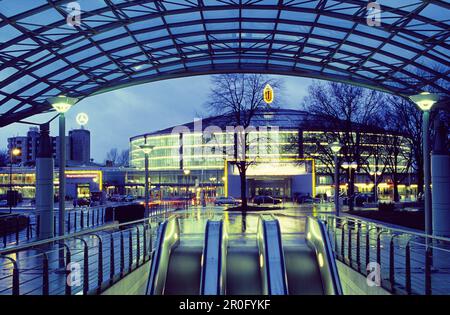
440 173
44 184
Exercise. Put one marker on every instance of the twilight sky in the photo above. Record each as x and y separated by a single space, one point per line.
116 116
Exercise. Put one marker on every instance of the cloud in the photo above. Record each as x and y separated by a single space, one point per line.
116 116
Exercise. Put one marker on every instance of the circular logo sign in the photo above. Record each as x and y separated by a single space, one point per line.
82 119
268 94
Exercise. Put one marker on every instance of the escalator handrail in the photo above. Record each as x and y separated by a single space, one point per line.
155 268
267 269
322 245
282 264
207 277
330 258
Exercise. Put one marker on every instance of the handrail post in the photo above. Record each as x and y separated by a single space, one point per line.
100 263
93 217
408 268
17 230
343 241
112 268
38 225
45 282
85 266
144 243
138 247
68 221
428 262
98 216
68 290
392 262
28 228
82 219
122 254
379 248
75 221
349 245
367 246
130 250
358 244
15 276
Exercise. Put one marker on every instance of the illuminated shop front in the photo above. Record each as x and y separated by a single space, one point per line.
80 183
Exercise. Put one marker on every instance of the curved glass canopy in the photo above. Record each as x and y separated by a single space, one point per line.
48 49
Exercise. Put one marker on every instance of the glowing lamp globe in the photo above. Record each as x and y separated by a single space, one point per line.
147 148
335 147
425 100
62 103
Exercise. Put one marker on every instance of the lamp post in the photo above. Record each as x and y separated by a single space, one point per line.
425 102
62 104
375 174
147 149
350 166
335 148
186 174
13 152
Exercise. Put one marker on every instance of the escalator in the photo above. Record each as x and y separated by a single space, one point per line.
310 263
254 263
243 264
184 270
181 263
176 263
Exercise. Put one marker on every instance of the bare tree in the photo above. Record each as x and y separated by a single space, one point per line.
112 156
405 118
347 111
124 158
4 158
240 96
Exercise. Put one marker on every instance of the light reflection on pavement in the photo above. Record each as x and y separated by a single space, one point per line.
292 219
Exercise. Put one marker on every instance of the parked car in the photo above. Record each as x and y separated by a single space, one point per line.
83 202
266 199
220 201
129 198
364 197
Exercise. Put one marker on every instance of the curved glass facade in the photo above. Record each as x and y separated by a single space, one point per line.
274 139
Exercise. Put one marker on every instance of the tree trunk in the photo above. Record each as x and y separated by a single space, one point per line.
243 176
351 190
396 195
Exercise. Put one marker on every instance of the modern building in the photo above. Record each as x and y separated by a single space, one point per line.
285 152
80 181
77 147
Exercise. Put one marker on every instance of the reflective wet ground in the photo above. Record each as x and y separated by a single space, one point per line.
292 219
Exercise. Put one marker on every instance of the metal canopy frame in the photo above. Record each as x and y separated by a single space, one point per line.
119 43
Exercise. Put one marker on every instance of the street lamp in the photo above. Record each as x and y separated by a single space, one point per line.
62 104
147 149
350 166
13 152
375 174
335 148
186 174
425 102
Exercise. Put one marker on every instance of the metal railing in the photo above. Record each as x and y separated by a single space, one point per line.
400 261
91 261
77 219
85 262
